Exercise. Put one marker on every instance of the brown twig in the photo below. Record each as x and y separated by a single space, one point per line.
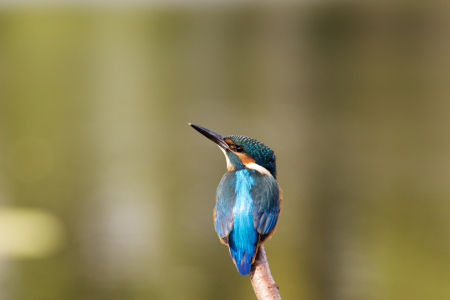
263 284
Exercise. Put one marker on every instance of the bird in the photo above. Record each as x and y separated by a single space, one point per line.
248 198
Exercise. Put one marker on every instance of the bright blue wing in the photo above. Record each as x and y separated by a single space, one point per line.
266 203
226 197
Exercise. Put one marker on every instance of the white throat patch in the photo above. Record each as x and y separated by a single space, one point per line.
258 168
229 166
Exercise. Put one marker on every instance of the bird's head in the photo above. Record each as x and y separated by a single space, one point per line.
243 152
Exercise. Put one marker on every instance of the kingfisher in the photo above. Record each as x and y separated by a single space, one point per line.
248 198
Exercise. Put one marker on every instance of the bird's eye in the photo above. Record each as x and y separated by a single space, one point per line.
239 148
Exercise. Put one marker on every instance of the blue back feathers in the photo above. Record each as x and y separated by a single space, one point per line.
243 238
247 209
263 155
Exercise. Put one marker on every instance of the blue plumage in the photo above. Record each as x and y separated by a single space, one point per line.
243 237
247 209
248 197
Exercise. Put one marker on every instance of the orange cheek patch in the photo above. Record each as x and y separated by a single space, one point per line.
244 158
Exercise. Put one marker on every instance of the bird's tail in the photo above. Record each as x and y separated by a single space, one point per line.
243 241
243 261
243 251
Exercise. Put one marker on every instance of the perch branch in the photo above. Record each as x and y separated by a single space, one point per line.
263 284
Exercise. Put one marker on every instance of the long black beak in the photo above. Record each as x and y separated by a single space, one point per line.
215 137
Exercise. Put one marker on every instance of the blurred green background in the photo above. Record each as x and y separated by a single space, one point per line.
107 193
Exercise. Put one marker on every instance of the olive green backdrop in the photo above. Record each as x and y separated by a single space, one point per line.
95 146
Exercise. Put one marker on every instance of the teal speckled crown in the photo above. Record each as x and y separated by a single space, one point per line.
263 155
